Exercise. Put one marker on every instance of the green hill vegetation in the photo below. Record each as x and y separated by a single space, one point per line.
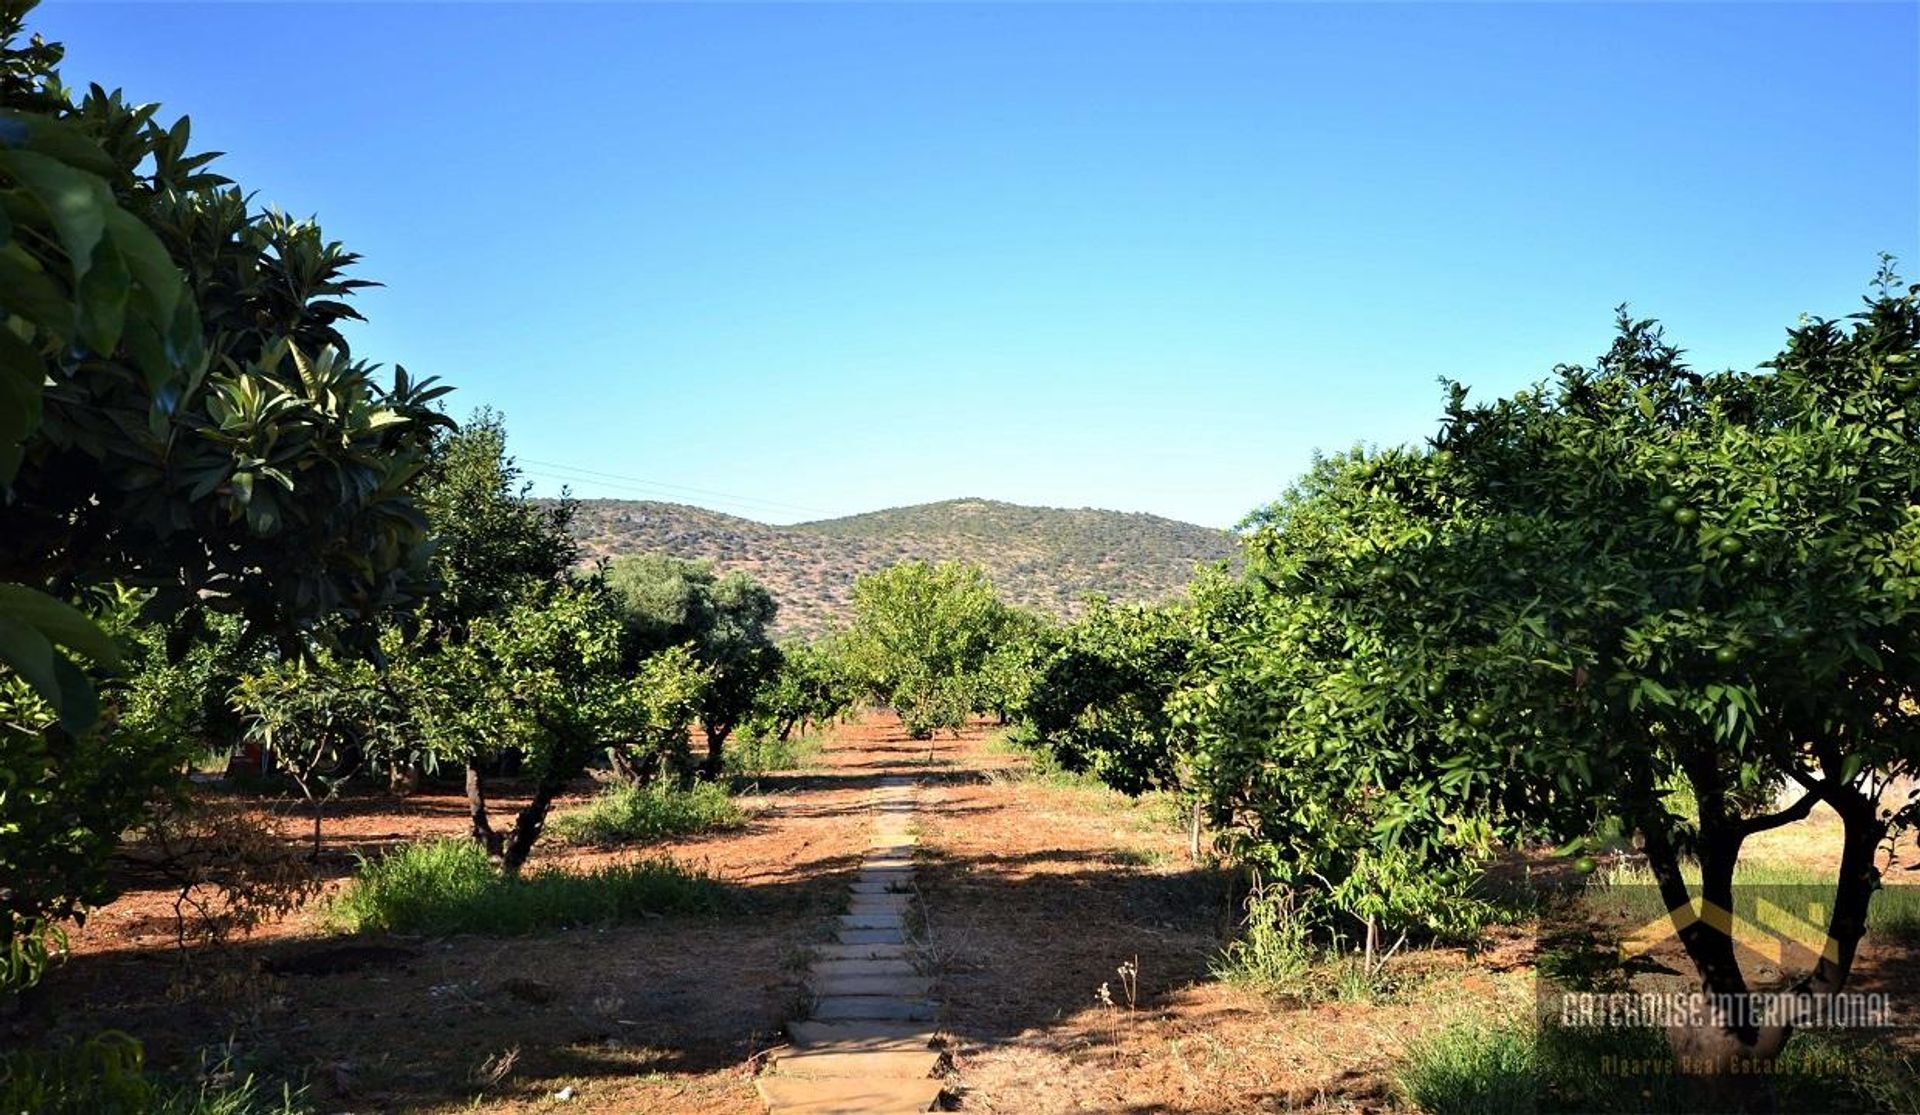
1041 557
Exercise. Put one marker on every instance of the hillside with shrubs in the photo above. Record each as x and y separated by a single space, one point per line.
1039 557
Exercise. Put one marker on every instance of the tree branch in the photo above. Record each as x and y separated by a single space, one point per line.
1798 811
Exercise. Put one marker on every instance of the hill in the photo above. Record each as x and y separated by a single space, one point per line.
1040 557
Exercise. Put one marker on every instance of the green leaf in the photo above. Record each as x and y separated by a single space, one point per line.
79 706
33 294
147 260
58 621
30 654
103 299
22 377
76 201
57 138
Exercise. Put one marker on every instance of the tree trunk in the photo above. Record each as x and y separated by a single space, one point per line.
1736 1060
527 827
482 828
716 750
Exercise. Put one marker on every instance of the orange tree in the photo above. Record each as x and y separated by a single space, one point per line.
1098 699
919 640
1634 578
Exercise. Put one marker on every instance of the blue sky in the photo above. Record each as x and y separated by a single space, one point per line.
799 260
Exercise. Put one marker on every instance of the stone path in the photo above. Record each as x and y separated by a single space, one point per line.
866 1049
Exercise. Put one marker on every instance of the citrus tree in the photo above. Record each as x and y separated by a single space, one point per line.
1727 572
1100 700
651 733
1312 710
1633 578
542 678
1019 645
810 687
919 637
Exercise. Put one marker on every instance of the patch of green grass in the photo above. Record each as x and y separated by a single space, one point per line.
449 886
634 814
1471 1065
107 1075
751 757
1629 890
1139 857
1479 1065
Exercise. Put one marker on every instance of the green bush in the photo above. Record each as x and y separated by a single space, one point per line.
449 886
631 814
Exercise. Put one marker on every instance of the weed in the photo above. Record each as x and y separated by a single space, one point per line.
1472 1065
450 886
1139 857
751 756
1274 951
633 814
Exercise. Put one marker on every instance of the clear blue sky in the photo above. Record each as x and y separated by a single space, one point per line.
819 259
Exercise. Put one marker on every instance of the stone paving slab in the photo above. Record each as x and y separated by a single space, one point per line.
857 1036
865 966
866 1049
847 1008
870 950
899 1064
847 1097
881 984
884 876
880 894
872 937
892 899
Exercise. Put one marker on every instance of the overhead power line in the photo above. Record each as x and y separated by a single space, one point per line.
578 474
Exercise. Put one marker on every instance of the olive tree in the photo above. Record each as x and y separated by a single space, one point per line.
723 619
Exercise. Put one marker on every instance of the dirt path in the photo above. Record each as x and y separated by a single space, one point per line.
675 1014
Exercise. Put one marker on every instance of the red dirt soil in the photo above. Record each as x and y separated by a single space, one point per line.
1034 892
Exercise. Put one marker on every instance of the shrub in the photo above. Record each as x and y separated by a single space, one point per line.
630 814
450 886
231 866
